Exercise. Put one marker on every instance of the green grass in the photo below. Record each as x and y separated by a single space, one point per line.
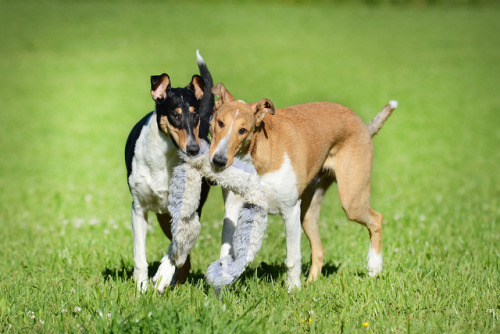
74 79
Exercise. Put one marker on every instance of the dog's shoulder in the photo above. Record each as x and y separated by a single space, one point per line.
132 140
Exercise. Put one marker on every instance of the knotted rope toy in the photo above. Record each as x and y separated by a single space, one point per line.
183 201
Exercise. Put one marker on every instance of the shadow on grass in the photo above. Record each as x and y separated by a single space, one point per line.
122 272
265 271
125 271
274 271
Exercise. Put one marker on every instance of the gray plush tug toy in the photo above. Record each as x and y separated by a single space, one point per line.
183 200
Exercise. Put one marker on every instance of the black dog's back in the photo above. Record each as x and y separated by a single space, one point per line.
132 140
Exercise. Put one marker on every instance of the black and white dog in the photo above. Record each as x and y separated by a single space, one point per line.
181 118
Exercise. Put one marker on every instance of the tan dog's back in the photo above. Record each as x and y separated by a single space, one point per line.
307 134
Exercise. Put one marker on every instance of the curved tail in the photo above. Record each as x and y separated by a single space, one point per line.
376 123
207 102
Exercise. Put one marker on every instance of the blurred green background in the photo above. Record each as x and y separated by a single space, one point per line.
74 79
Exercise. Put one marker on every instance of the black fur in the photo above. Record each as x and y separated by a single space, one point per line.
207 102
179 98
131 140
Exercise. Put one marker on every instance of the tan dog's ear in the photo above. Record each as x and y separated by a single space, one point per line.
222 94
260 108
197 85
160 85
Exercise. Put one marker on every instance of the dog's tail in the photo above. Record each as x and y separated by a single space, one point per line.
207 102
376 124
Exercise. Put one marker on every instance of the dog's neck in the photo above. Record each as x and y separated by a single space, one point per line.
159 132
259 146
168 143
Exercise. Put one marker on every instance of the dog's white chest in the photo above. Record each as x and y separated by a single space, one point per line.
280 187
152 166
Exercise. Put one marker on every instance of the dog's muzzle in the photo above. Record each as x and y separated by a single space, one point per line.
192 149
219 161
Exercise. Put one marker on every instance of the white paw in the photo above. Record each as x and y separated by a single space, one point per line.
142 286
374 262
293 284
164 275
293 279
141 278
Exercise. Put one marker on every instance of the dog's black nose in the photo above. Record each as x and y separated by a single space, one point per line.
219 160
193 149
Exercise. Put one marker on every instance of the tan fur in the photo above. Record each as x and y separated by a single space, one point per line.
198 85
289 130
178 135
159 91
322 139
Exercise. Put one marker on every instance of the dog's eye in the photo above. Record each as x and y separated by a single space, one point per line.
242 131
221 124
176 116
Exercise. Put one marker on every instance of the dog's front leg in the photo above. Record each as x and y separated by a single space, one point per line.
291 216
165 272
232 205
139 228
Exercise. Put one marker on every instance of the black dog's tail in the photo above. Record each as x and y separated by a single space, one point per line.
207 102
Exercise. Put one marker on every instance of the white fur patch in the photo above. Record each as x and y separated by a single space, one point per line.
199 58
155 157
293 260
164 275
221 148
280 187
374 262
393 104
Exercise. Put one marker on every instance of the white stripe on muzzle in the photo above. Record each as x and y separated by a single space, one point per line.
222 146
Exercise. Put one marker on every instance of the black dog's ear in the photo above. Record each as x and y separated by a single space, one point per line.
197 85
160 85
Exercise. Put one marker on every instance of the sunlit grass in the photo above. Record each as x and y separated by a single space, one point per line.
74 79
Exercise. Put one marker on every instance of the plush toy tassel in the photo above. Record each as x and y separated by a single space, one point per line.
247 240
183 201
184 197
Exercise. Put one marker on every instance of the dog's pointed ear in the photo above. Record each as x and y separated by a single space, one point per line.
222 94
261 108
197 85
160 85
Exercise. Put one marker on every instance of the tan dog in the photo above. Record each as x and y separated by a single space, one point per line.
299 152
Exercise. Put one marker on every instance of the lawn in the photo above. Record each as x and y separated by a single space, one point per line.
74 79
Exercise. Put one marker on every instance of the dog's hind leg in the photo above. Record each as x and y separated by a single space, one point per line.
310 210
353 168
139 228
164 219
